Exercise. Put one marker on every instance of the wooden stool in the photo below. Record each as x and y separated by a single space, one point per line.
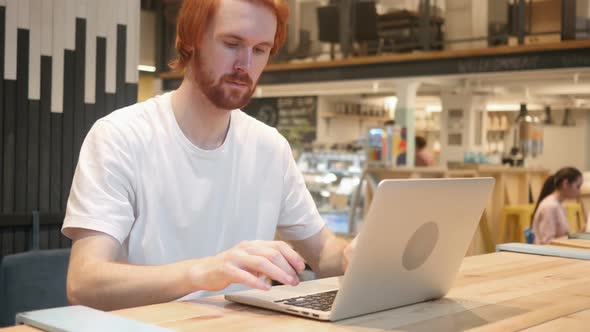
574 216
523 214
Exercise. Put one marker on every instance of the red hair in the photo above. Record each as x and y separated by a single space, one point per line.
195 15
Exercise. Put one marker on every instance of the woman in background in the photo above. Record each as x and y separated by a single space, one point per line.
549 217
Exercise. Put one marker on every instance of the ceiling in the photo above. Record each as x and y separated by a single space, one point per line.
559 88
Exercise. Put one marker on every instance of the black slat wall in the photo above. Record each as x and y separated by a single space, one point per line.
42 129
2 33
79 111
9 114
67 127
45 135
22 110
101 64
121 46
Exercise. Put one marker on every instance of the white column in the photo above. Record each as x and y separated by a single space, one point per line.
405 110
463 124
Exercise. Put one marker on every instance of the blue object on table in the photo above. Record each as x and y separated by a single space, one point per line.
529 235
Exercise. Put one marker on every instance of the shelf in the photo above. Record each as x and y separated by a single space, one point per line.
432 130
498 130
332 115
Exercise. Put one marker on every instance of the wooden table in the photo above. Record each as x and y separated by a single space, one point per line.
501 291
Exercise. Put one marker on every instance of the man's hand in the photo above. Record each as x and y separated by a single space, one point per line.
347 253
247 262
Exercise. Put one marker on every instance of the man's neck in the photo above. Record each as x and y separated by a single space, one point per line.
205 125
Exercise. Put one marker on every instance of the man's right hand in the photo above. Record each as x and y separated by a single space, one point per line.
247 264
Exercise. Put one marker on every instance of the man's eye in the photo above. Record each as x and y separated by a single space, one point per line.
259 50
231 44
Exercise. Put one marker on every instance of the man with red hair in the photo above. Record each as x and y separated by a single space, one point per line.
181 195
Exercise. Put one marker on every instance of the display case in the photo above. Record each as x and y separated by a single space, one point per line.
332 178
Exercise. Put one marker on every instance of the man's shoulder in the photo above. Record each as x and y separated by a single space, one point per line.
136 114
134 124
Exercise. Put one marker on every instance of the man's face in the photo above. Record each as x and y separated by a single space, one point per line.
233 52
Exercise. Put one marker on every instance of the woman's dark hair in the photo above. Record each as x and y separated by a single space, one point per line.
569 174
420 142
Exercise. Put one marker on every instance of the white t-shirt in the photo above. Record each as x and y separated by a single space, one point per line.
140 180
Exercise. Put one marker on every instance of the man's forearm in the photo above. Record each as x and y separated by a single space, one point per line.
99 276
323 251
330 264
111 285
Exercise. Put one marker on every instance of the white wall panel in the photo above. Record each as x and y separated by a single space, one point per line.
35 50
132 60
52 30
111 61
81 8
122 11
102 20
57 65
10 36
23 14
46 27
90 70
70 24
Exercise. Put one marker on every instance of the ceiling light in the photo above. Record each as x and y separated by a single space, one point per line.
150 69
375 87
433 108
512 107
390 102
502 107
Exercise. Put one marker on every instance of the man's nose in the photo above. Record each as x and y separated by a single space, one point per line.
244 60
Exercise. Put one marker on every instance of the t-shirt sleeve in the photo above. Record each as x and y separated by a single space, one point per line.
299 218
102 194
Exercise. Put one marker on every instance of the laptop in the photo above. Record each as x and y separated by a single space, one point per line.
409 250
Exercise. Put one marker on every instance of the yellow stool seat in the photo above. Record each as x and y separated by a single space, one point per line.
574 216
515 215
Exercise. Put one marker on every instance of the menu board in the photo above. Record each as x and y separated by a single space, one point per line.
294 117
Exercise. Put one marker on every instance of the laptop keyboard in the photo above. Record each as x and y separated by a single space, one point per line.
319 301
